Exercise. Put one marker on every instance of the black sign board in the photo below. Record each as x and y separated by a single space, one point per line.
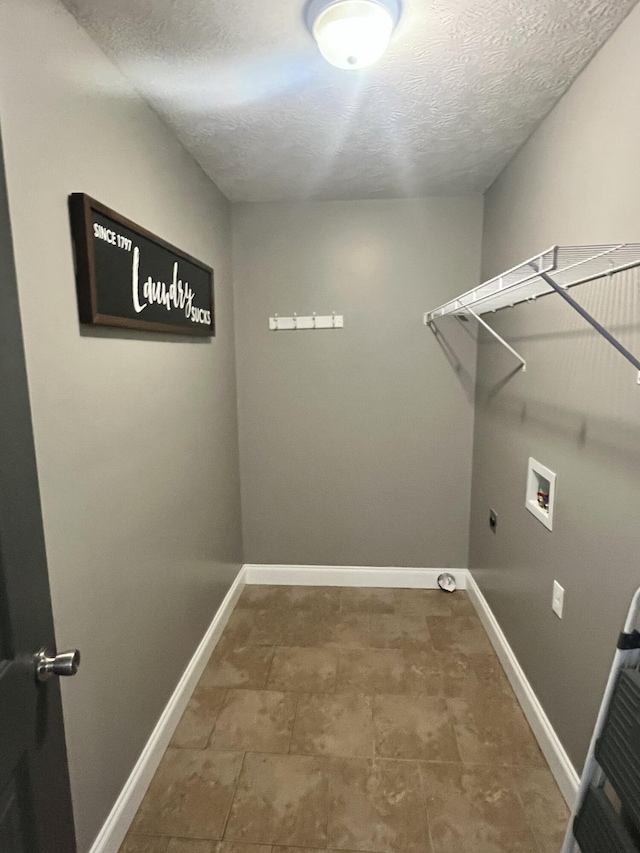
128 277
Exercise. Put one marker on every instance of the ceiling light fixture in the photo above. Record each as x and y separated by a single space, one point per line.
352 34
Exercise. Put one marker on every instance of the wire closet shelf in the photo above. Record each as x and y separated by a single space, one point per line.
553 271
568 265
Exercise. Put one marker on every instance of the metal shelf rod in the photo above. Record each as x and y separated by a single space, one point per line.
500 339
591 320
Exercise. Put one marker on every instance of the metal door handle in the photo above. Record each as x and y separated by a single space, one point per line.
65 663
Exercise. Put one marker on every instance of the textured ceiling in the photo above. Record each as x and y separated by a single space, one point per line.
242 85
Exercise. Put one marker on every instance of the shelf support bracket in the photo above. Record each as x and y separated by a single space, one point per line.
500 339
591 320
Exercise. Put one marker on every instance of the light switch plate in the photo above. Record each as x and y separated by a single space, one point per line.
557 602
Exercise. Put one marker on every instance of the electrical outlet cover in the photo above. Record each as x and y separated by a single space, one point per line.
557 601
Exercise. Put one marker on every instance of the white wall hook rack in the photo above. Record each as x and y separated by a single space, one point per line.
307 322
553 271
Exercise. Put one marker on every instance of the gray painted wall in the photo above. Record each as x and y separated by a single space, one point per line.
577 407
136 435
355 445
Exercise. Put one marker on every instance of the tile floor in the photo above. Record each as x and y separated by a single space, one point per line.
372 720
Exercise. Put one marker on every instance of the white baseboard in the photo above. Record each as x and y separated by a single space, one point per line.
115 827
558 760
374 576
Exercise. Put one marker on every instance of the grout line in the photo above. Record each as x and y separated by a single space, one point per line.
329 799
368 628
293 724
222 704
273 654
326 847
516 788
329 773
416 760
233 797
374 751
215 841
425 801
149 835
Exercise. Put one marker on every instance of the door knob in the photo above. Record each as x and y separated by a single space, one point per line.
65 663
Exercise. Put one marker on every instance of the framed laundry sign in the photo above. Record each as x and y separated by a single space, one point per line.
128 277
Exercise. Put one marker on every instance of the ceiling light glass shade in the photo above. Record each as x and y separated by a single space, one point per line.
353 34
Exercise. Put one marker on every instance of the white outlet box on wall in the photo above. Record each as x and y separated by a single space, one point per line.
557 600
541 492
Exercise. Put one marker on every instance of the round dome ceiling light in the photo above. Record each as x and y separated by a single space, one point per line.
352 34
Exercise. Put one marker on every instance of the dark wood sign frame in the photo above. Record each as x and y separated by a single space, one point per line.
81 207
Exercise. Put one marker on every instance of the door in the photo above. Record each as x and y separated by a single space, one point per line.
35 801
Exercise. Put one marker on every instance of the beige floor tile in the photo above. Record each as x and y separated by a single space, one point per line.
493 731
333 724
238 666
468 676
346 631
388 671
196 724
190 794
399 631
288 628
238 628
415 726
317 627
264 596
411 601
324 598
272 628
475 809
433 602
144 844
290 598
408 673
366 600
377 805
458 633
303 669
371 671
544 806
460 603
255 720
281 799
187 845
422 672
